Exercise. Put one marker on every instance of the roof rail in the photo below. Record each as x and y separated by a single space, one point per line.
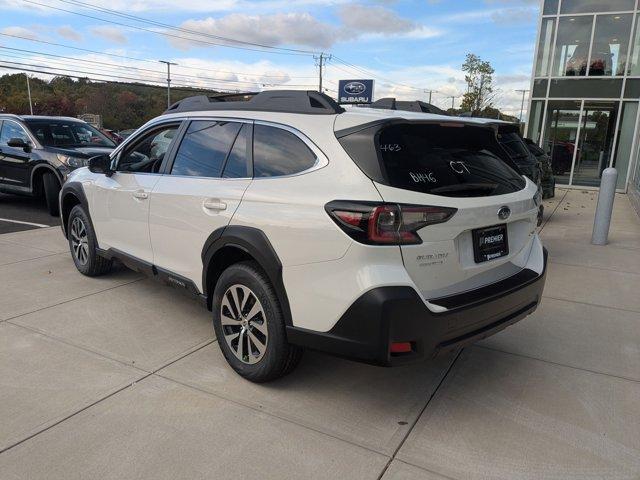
391 103
285 101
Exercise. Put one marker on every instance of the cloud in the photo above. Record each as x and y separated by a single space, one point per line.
374 19
303 29
20 32
278 29
69 33
112 34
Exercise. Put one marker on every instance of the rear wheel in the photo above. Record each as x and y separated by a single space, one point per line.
51 191
249 325
83 245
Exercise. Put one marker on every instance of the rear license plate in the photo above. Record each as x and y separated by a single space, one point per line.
490 243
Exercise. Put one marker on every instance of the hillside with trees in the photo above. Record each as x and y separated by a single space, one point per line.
122 105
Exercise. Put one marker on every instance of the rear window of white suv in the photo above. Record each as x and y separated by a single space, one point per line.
449 159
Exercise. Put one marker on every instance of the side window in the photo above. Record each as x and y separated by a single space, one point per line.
12 130
279 152
237 165
147 154
204 148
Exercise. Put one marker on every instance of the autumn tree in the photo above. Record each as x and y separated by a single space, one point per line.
479 78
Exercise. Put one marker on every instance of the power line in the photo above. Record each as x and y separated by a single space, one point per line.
58 74
375 75
166 34
180 29
202 82
99 71
182 65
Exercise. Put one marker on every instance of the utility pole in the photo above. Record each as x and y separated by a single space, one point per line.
430 92
453 101
29 92
522 104
321 61
168 64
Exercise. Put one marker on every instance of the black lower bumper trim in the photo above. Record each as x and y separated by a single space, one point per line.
398 314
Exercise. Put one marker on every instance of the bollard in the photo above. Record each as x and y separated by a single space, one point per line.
604 208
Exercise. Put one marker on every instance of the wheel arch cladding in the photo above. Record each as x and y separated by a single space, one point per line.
228 245
72 194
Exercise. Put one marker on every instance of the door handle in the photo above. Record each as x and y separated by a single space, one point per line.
214 205
140 195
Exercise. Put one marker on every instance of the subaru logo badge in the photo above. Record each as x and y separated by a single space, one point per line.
504 213
354 88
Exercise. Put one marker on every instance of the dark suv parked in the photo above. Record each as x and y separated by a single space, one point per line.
37 153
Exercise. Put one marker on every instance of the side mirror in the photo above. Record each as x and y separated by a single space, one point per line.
19 143
101 164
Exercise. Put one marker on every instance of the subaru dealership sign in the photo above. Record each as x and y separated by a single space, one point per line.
355 91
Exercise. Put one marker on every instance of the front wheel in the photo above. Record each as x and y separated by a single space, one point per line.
249 325
83 245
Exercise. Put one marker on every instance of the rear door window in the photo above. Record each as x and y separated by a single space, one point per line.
446 159
278 152
204 148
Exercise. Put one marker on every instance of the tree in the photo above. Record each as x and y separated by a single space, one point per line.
479 78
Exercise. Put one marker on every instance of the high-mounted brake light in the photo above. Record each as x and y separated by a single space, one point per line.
385 223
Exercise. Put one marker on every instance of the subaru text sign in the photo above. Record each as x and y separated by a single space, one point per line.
355 91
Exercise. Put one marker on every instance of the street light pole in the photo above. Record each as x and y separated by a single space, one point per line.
29 92
522 104
168 64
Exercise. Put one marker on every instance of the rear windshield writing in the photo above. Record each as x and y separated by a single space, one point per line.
449 161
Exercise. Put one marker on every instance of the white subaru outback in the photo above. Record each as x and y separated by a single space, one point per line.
382 236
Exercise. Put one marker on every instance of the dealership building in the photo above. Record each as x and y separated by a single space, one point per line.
585 91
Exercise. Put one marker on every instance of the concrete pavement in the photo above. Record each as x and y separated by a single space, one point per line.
120 377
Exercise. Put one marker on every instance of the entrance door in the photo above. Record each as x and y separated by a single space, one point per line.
561 134
596 142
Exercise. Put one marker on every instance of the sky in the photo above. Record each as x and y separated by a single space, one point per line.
408 47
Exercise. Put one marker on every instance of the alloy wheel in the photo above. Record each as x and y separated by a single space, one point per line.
79 241
244 324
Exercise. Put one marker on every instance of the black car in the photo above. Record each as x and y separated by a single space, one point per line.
37 153
548 180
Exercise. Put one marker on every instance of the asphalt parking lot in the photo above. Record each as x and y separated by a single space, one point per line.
120 377
23 213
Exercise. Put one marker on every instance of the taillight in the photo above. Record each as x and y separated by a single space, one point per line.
385 223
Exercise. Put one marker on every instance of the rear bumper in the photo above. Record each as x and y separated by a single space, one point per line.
398 314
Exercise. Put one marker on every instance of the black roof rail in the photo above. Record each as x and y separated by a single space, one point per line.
285 101
391 103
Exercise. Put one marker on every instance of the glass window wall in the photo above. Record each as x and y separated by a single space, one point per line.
545 45
572 46
610 42
550 7
625 134
591 6
634 61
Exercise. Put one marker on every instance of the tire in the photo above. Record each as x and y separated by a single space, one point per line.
51 192
254 291
83 245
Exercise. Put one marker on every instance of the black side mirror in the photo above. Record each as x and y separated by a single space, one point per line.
19 143
101 164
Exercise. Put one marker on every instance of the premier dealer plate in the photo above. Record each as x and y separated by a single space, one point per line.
490 243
